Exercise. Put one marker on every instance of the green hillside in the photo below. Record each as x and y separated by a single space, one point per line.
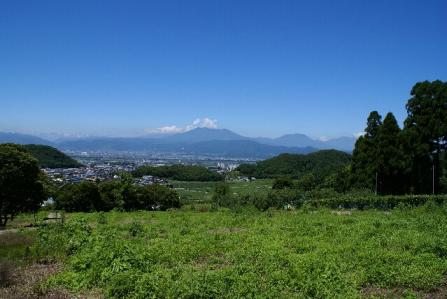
319 163
49 157
179 173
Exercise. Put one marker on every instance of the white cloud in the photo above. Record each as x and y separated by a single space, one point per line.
324 138
358 134
202 123
197 123
169 129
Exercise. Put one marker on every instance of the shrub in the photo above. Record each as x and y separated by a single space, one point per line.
277 198
222 196
261 201
307 182
136 229
281 198
82 197
157 197
386 202
282 183
56 240
102 218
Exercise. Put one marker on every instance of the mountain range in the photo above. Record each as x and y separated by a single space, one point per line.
204 141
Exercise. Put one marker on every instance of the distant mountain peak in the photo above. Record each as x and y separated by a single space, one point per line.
206 134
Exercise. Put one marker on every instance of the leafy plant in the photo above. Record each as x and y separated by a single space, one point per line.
136 229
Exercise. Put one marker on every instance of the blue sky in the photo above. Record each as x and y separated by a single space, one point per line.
260 68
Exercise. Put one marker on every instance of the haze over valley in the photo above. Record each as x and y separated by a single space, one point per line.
197 141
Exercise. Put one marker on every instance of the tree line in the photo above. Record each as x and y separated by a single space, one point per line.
119 194
179 172
387 159
24 187
411 160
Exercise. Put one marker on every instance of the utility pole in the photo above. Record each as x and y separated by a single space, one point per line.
376 182
433 178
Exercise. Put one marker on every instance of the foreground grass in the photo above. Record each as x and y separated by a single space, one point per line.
277 254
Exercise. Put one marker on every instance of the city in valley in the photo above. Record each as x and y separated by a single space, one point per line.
106 166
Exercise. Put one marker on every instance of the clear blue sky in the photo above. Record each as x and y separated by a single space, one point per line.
261 68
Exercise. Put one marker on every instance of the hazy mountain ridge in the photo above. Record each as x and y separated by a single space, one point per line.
7 137
197 141
344 143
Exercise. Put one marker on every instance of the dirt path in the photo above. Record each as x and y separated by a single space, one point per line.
10 230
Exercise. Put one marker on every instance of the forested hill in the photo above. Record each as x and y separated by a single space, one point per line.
321 164
49 157
179 172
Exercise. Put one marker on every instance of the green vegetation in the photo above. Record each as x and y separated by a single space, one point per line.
320 164
13 245
369 201
180 173
49 157
387 159
269 238
22 186
119 194
202 192
408 160
290 194
277 254
283 183
194 192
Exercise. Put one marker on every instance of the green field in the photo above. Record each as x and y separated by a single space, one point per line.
276 254
202 192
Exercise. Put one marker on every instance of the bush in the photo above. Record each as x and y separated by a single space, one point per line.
136 229
82 197
59 240
281 198
327 198
377 202
261 201
307 182
102 218
283 183
222 196
274 199
157 197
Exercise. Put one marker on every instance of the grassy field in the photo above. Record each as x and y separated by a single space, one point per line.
276 254
202 192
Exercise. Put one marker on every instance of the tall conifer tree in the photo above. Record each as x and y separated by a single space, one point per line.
364 159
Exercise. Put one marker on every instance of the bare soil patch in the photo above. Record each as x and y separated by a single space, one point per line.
24 282
400 292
